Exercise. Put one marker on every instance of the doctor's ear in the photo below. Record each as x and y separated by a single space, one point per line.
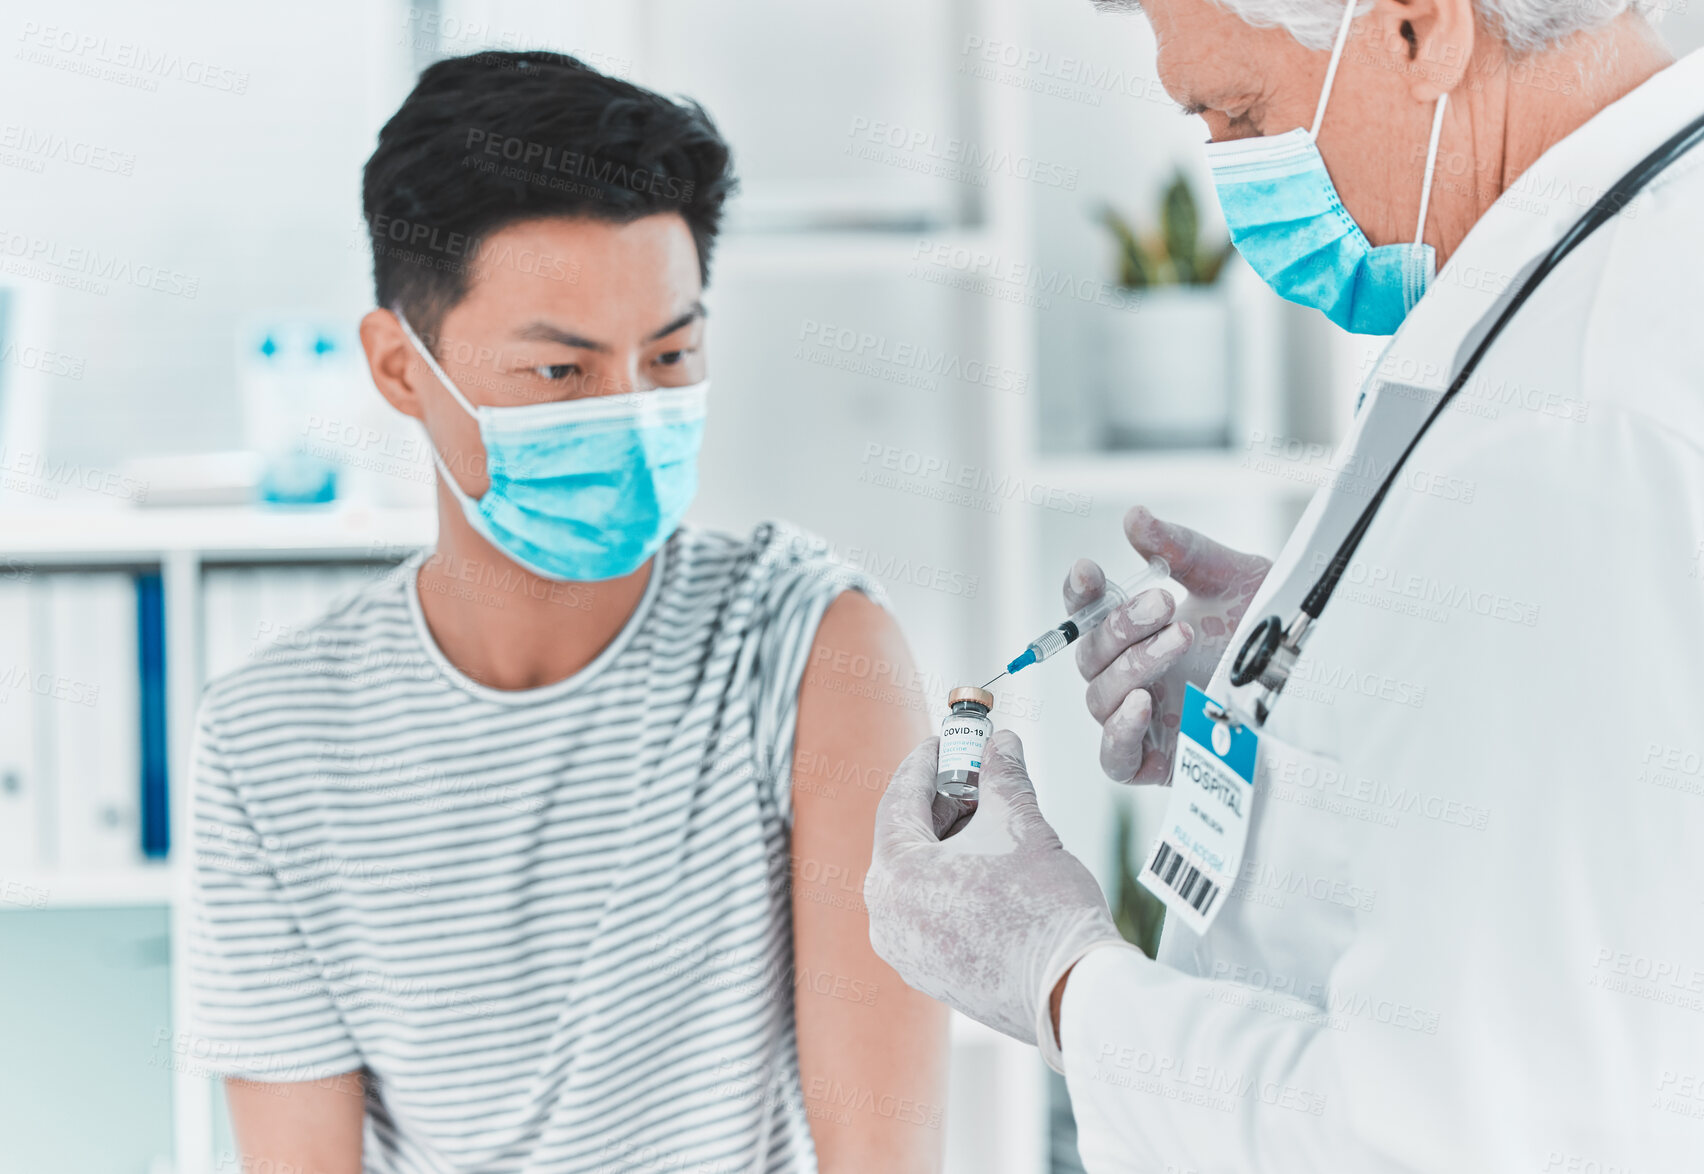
390 358
1431 41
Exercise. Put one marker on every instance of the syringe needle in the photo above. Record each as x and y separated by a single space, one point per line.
1086 618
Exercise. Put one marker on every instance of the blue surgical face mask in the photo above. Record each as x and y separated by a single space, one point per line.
1288 223
582 489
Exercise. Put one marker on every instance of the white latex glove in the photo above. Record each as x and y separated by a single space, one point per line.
988 920
1140 657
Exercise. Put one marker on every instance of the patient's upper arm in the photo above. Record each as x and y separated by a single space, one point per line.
307 1127
872 1051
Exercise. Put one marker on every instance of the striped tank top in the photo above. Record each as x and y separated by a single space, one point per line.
553 925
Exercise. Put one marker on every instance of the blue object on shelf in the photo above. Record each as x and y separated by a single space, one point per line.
298 479
151 657
295 375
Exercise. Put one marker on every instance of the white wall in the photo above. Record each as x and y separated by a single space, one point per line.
247 200
253 197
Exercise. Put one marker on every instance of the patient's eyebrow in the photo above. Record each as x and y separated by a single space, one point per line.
545 332
542 331
692 315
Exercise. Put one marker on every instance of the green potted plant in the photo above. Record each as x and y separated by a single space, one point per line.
1167 376
1137 912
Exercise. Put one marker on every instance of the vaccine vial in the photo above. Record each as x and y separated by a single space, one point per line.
964 733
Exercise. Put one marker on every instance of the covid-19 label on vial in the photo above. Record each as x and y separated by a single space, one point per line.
1206 826
964 737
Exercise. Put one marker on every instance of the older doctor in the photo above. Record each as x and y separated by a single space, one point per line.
1467 933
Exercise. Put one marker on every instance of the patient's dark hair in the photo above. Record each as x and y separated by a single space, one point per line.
491 139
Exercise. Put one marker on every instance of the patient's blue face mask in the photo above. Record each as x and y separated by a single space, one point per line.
1288 223
582 489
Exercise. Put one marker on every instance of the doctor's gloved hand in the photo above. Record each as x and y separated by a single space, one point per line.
1139 659
989 919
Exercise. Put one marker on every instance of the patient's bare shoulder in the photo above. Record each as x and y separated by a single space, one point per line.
861 690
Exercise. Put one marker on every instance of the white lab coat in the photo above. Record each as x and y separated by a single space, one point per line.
1469 930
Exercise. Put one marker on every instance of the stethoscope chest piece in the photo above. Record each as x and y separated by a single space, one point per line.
1255 656
1267 658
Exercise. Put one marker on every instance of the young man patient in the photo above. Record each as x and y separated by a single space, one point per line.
502 865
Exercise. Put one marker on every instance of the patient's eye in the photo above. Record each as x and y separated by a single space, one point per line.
675 357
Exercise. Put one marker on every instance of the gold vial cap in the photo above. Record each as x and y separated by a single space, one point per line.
970 693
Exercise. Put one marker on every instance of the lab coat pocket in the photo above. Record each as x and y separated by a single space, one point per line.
1293 908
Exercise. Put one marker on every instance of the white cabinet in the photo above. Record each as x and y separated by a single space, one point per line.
70 864
22 773
90 700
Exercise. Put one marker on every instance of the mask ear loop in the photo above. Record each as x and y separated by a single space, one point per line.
1431 168
1417 275
1331 70
468 504
449 384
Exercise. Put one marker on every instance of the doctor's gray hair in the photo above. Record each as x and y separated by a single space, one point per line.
1524 25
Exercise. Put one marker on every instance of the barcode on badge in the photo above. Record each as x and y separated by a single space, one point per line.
1175 871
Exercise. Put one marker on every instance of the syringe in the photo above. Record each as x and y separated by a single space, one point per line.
1088 617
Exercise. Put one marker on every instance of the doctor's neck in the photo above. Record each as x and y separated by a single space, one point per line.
1509 110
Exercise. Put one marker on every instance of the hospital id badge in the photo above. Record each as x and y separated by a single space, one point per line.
1206 825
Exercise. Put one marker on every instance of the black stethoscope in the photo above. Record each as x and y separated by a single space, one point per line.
1272 648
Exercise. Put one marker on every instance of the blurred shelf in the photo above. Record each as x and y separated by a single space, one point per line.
1203 472
219 533
140 884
